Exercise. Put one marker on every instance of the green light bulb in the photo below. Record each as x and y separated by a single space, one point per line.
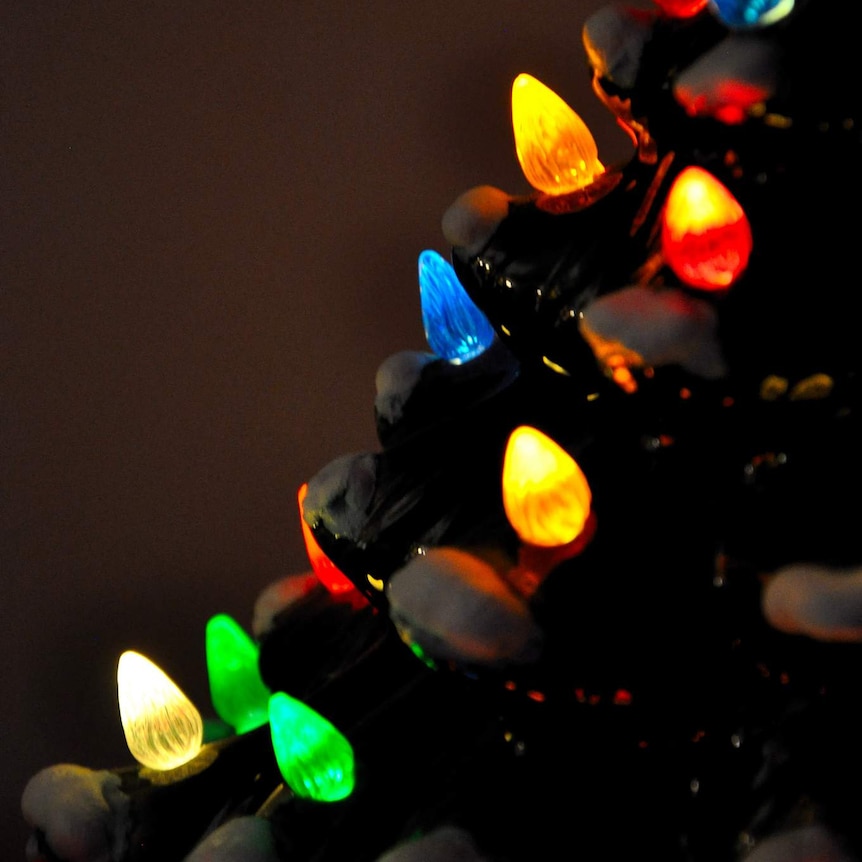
315 760
239 695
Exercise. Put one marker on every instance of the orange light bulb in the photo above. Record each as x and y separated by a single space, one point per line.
706 236
545 493
556 150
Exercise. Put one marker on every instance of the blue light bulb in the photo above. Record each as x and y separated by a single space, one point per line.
743 14
455 328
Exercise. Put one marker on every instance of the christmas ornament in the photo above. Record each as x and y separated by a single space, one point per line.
598 591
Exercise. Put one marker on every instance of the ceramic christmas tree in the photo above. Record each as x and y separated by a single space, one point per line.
598 591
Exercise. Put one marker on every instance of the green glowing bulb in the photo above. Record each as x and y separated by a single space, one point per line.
315 760
239 695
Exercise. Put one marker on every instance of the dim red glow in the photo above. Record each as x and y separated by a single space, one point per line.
706 237
327 572
730 102
681 8
535 562
556 150
622 697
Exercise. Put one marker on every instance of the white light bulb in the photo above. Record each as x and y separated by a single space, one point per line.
163 728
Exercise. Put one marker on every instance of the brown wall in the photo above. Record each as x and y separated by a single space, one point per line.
211 215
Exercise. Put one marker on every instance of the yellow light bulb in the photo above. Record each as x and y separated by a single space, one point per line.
545 494
556 150
162 726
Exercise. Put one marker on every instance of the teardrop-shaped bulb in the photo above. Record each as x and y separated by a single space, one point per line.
556 150
163 728
239 695
706 236
545 493
455 327
315 760
746 14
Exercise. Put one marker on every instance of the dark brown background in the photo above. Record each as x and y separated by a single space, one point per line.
211 216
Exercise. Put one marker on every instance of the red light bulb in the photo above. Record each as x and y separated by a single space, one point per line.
327 572
706 236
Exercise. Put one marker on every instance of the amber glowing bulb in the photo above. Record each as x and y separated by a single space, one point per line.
706 236
556 150
163 728
545 493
